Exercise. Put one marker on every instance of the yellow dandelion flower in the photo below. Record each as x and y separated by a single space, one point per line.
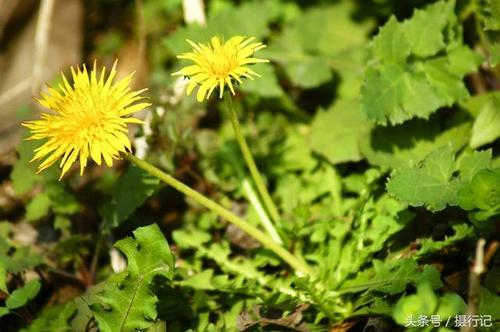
218 63
86 119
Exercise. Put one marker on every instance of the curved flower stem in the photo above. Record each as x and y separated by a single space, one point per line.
247 155
299 266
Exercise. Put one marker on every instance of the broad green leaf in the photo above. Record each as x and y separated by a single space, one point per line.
307 53
265 86
126 301
412 141
433 183
20 259
426 303
482 192
430 183
392 93
23 295
416 66
336 132
425 30
130 191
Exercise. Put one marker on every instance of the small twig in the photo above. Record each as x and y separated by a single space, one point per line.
41 42
490 251
475 283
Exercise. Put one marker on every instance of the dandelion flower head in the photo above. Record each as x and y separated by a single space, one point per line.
86 119
218 63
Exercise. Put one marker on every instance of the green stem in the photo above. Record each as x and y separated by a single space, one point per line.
299 266
247 155
264 219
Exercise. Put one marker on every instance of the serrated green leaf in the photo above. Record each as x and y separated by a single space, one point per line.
336 132
424 30
428 245
404 78
412 141
390 93
306 51
23 295
390 44
429 183
126 302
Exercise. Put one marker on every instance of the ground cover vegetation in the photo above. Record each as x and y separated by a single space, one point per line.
333 166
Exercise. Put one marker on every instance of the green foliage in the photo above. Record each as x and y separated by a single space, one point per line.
126 302
376 135
23 295
128 193
425 302
412 70
337 132
433 182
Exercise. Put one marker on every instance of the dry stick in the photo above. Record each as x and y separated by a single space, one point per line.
475 283
41 42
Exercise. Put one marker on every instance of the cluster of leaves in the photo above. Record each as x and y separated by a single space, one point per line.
376 125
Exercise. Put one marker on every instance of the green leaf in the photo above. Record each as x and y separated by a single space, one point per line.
3 277
38 207
412 141
131 190
3 311
426 303
54 319
492 17
428 245
306 52
23 295
483 192
489 303
265 86
392 277
424 30
126 302
432 182
336 132
391 93
416 67
23 174
486 128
